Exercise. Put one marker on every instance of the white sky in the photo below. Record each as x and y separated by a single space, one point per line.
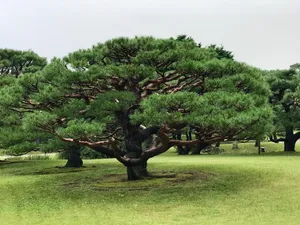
263 33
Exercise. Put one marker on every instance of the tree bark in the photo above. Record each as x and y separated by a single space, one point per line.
134 138
74 156
136 172
256 143
290 140
134 150
199 148
275 135
183 150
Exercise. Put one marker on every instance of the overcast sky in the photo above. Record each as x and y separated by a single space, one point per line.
263 33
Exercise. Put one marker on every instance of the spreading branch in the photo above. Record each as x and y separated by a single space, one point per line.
99 146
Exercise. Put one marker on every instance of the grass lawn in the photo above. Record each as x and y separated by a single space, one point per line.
206 189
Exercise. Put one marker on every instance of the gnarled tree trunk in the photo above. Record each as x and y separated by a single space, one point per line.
74 156
136 172
290 140
133 146
199 148
134 150
183 150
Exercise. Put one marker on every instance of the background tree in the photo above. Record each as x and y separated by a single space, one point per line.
13 137
15 62
116 95
285 86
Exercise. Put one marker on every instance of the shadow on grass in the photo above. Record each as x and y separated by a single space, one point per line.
108 181
51 168
156 180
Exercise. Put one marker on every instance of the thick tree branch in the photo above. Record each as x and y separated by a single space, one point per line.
297 135
146 133
277 139
112 134
97 146
165 144
156 150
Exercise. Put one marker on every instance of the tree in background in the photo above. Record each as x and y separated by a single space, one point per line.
285 87
115 96
13 64
13 137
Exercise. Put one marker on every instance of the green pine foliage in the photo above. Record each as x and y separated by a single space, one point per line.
285 85
15 62
127 82
13 135
285 88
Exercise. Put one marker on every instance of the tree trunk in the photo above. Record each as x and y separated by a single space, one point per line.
290 140
289 145
183 150
134 137
274 135
235 145
199 148
74 156
134 149
136 172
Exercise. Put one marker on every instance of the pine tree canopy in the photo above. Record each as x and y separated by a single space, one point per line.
13 64
285 98
16 62
115 95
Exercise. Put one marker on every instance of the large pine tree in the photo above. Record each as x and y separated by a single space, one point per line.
13 64
285 99
117 95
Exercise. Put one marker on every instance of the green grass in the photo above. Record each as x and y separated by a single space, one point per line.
30 156
248 148
205 189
